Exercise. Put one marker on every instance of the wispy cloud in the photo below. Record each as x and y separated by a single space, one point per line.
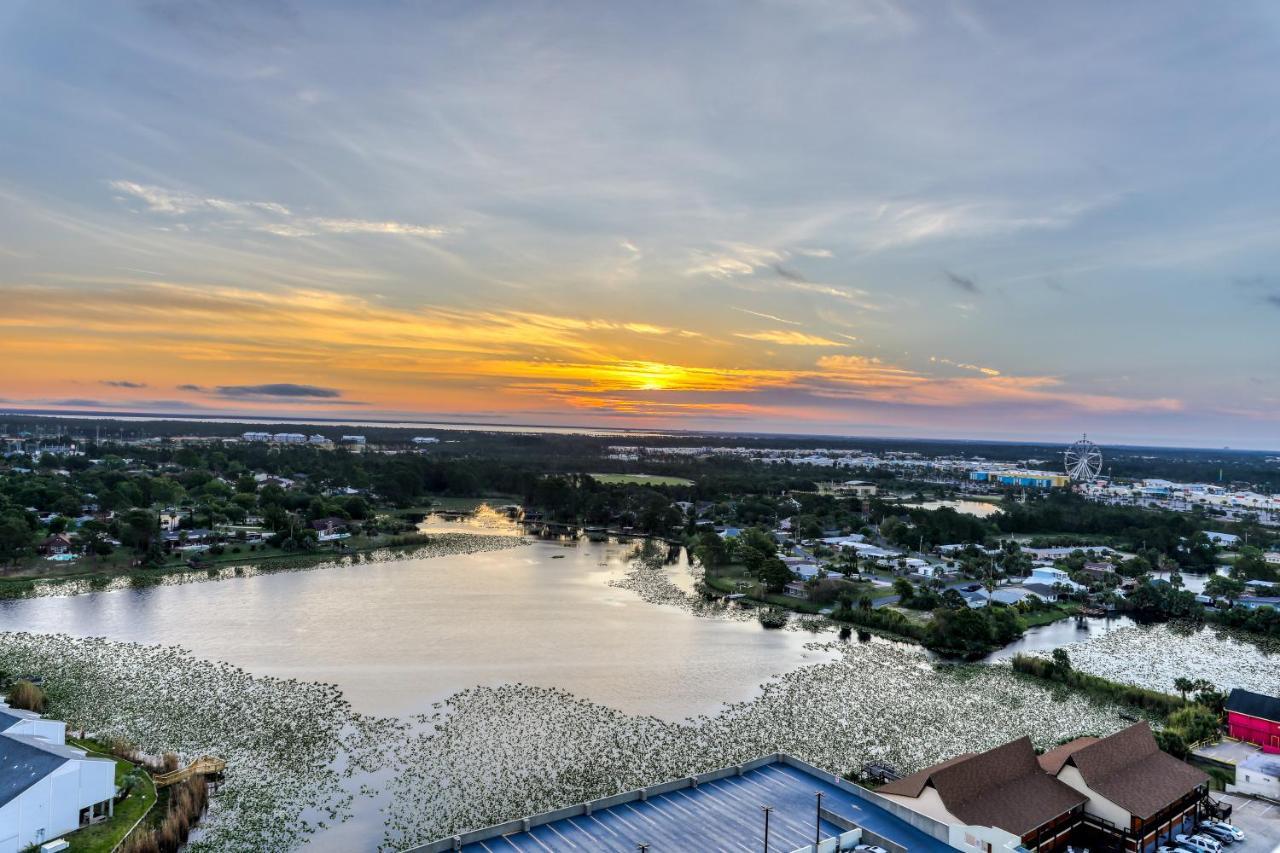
123 383
789 338
265 216
765 316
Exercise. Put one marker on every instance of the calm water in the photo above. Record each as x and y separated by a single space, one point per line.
979 508
399 635
1061 633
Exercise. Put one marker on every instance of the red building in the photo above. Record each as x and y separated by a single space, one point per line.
1255 718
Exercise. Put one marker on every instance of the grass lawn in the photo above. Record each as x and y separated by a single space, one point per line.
1044 617
103 837
640 480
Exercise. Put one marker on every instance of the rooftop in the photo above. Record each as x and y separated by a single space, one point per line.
1129 769
26 760
1003 787
723 814
1254 704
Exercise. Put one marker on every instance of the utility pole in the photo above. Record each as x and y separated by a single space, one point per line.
817 821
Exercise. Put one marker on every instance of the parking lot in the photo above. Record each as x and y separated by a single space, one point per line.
1260 821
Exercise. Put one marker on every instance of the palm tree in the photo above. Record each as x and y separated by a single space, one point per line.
1183 686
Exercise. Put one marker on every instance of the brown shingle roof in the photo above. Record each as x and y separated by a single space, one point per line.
1053 760
1129 769
1003 787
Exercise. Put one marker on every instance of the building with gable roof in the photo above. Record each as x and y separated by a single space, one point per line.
47 788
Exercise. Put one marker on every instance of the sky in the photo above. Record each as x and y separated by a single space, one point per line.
867 217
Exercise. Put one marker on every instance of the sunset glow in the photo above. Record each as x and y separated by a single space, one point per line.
537 217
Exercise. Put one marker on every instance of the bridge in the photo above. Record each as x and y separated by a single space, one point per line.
205 765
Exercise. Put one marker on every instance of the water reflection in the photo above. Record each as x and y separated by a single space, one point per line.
981 509
399 635
1061 633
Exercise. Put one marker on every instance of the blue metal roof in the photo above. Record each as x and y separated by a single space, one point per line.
23 762
723 815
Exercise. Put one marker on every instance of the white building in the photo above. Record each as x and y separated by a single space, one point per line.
1048 575
352 439
430 439
256 436
1258 776
47 788
1226 540
289 438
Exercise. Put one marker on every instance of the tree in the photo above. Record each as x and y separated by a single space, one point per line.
1183 686
15 538
774 574
1219 586
903 589
965 631
1195 723
1061 661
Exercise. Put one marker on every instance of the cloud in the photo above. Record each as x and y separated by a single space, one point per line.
122 383
278 389
764 316
265 216
189 387
789 338
987 371
736 259
964 282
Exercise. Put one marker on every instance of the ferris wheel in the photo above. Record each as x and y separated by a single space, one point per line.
1083 460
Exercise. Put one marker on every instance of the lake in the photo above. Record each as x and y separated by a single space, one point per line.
396 636
981 509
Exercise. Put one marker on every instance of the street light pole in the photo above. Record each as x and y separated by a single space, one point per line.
766 810
817 821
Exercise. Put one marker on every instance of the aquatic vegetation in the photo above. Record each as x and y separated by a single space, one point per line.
283 739
496 753
1153 656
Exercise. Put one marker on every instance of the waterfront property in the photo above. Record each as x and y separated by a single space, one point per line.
1138 796
1116 793
1255 718
1000 798
721 810
47 788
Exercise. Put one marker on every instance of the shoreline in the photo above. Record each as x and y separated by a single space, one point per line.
428 547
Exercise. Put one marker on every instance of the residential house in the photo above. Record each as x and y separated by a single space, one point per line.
994 799
795 589
1138 796
1254 718
330 529
47 788
57 545
1226 540
1104 572
1050 576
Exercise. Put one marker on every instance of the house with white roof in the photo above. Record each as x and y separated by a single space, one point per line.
47 788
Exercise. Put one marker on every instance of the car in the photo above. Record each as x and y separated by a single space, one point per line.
1222 829
870 848
1199 843
1163 849
973 587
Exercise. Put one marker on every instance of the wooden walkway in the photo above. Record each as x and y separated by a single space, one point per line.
205 765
